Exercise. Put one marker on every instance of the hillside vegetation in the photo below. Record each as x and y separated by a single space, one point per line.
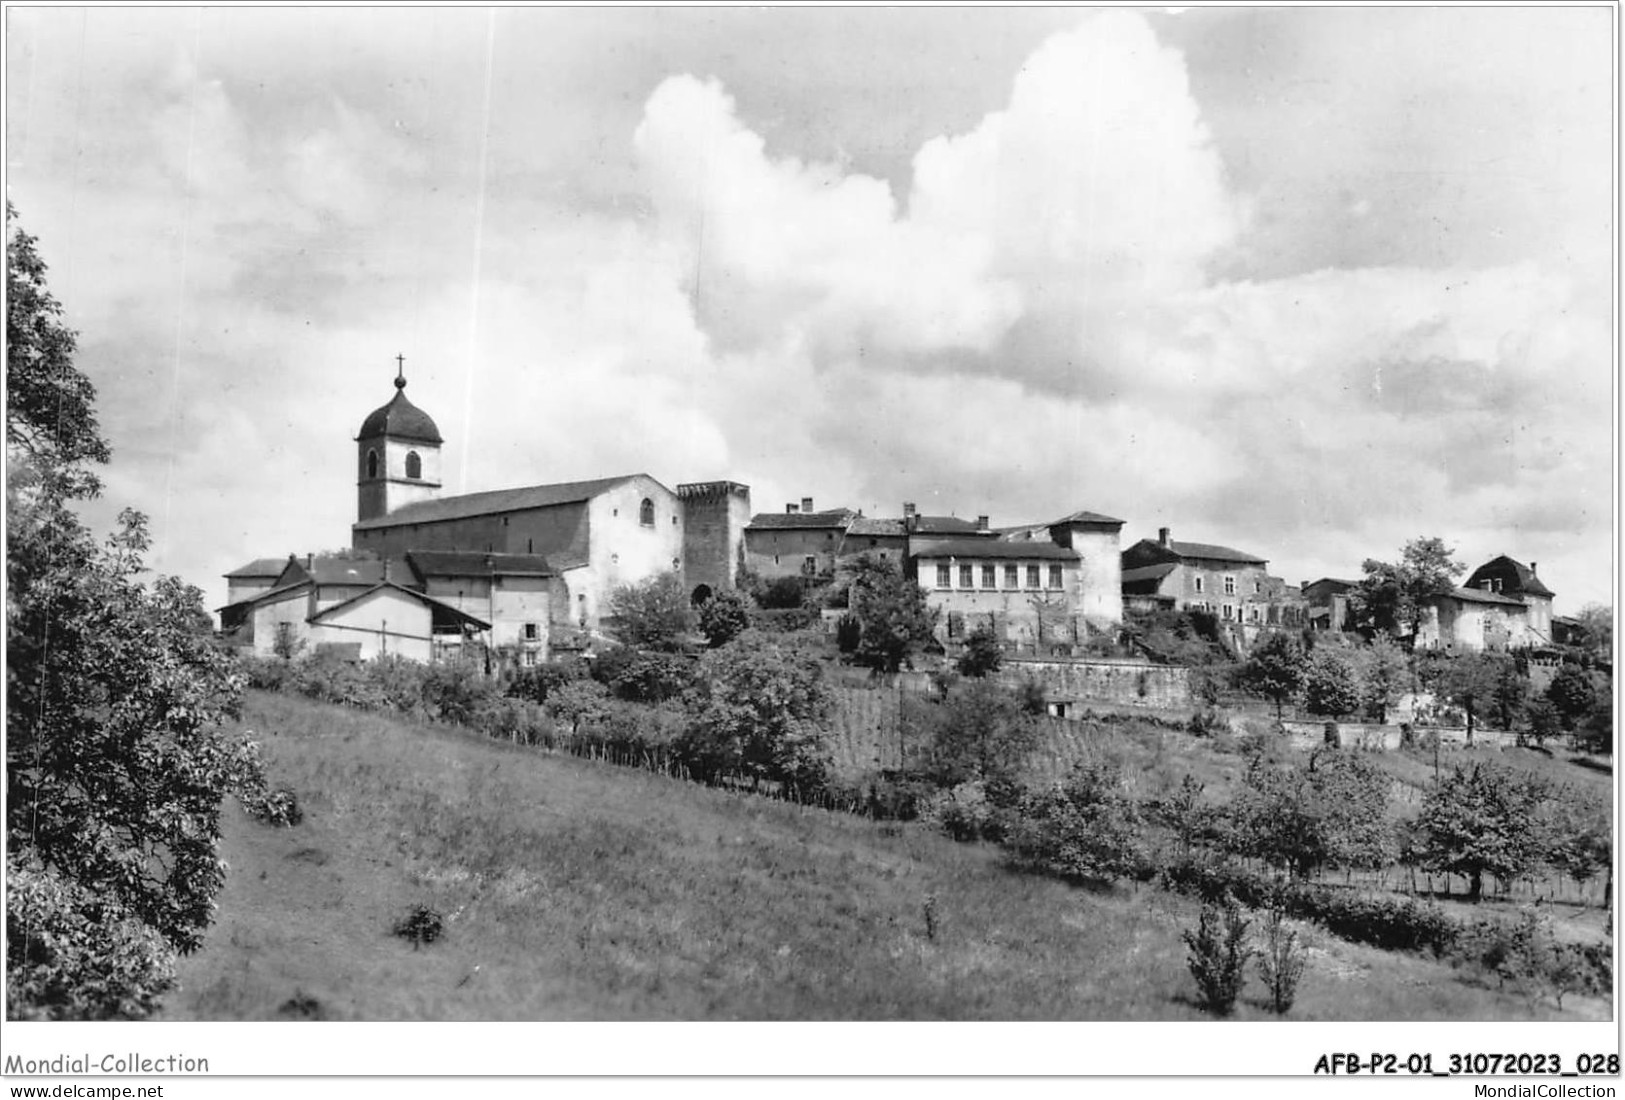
576 890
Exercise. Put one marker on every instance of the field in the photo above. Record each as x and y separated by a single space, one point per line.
576 890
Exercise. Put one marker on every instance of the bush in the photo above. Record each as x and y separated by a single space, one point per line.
723 618
979 732
278 807
1083 830
642 676
420 925
848 632
536 683
983 654
964 813
1280 961
1218 955
781 593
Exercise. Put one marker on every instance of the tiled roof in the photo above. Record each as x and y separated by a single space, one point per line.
1478 595
1149 572
471 563
496 500
260 567
782 521
1527 583
946 525
989 548
1088 517
422 597
876 528
332 570
400 419
1213 552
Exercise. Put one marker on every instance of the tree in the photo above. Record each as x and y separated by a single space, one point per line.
1476 682
1330 687
1597 628
1385 675
1482 820
983 654
1275 668
1390 596
116 760
654 614
50 405
723 618
983 734
758 709
1573 693
893 617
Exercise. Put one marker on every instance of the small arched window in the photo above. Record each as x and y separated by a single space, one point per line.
646 513
372 463
414 464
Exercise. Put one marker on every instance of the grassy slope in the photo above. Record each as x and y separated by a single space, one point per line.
582 891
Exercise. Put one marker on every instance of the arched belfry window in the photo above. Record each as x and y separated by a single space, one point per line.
372 463
646 514
414 464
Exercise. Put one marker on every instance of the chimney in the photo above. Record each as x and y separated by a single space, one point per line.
386 569
908 509
981 523
806 505
1531 569
1164 537
789 509
310 561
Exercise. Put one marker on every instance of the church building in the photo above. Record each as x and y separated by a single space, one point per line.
530 564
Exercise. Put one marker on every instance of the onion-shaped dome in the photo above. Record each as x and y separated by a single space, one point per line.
400 419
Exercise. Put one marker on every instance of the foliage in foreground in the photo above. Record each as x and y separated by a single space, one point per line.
1218 955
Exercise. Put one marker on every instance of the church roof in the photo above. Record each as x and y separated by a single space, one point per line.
494 501
400 419
471 563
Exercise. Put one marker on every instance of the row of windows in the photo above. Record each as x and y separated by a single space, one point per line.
989 575
1229 585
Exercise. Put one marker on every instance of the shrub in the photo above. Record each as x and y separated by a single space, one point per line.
983 654
848 632
420 925
1083 830
964 813
1218 955
653 614
1280 961
643 676
979 733
278 807
781 593
538 682
723 618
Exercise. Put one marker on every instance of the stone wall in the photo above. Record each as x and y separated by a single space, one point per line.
1126 683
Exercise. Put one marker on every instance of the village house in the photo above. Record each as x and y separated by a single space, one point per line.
1502 605
1232 585
1327 603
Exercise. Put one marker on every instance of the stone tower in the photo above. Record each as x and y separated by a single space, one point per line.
715 514
397 454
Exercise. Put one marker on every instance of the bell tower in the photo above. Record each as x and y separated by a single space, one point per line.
397 453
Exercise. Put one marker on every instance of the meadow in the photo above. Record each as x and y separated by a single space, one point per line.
576 890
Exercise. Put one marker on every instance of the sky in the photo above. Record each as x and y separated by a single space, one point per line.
1306 282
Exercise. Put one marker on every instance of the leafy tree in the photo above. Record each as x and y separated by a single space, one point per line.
1330 686
893 617
1275 668
1084 829
781 593
983 654
1477 683
1352 795
982 735
641 675
1218 955
1390 596
1277 819
1573 692
653 614
1384 675
1482 820
1597 628
116 761
50 405
759 709
723 618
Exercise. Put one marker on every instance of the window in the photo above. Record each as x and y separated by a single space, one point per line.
1198 584
989 577
809 565
646 512
372 463
529 658
1227 610
945 575
1032 576
1055 576
1254 615
967 577
1012 576
956 624
531 632
1258 587
1230 586
414 464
